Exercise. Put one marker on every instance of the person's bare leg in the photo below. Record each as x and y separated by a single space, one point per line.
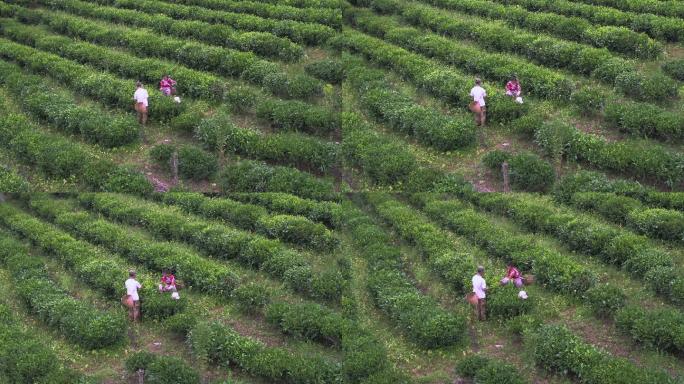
144 118
483 116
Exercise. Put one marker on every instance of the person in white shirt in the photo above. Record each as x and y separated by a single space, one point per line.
480 289
140 96
132 286
478 94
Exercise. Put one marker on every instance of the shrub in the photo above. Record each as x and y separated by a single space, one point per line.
504 303
180 323
589 101
494 159
298 230
162 153
471 364
295 115
253 176
606 300
252 297
331 71
674 69
188 120
79 322
659 223
530 173
195 164
488 371
385 161
582 181
161 369
139 360
218 344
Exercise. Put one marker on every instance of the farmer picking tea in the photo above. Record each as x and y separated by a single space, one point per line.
512 276
513 87
480 289
141 103
167 85
132 298
478 105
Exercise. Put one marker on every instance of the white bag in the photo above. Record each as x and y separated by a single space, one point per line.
519 100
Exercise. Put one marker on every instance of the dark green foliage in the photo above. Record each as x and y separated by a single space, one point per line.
488 371
193 163
309 321
78 321
659 223
292 115
494 159
298 230
558 350
589 101
252 297
162 153
582 181
60 109
530 173
215 239
504 303
331 71
385 161
605 300
253 176
162 369
218 344
180 323
675 69
661 328
470 365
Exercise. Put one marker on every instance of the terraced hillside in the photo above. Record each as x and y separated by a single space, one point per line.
318 190
367 289
317 97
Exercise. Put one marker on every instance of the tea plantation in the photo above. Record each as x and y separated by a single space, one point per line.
323 196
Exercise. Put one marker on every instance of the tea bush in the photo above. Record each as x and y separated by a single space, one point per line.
79 322
188 266
252 297
328 70
60 109
193 163
254 176
530 173
488 371
264 44
605 300
217 240
392 291
220 345
161 369
305 33
674 69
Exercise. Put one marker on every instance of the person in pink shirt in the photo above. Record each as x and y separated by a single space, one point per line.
513 87
512 276
167 85
168 282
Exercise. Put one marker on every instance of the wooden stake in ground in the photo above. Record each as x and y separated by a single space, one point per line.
504 171
174 167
